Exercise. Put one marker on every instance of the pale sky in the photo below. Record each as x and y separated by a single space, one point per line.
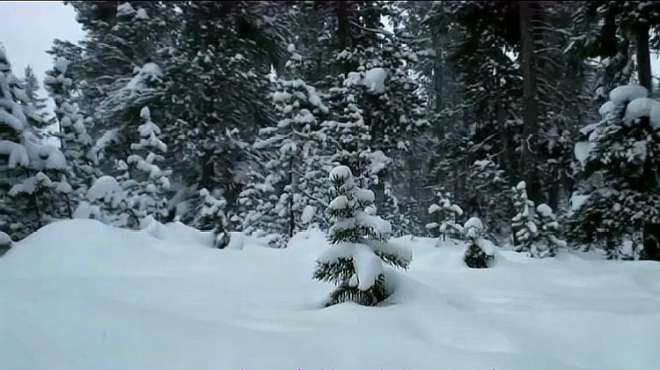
28 28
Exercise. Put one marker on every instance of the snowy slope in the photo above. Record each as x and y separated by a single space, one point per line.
81 295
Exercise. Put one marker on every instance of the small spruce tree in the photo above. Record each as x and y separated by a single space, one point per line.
548 229
479 252
447 214
211 216
359 244
523 224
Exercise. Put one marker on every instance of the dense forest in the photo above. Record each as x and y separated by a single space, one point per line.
537 117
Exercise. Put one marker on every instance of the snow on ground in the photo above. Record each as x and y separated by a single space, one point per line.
82 295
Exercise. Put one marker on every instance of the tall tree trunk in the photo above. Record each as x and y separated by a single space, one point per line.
207 170
507 156
643 56
438 66
530 101
342 11
292 184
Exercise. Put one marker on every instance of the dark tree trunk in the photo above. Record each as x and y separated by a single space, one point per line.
292 218
437 33
643 56
507 157
342 11
208 168
651 242
530 101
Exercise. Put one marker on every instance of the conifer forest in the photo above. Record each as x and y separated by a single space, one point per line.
469 185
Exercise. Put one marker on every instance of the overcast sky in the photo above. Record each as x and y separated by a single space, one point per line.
28 28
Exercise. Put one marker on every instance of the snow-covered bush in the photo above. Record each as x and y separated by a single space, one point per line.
523 224
479 252
447 215
360 245
547 240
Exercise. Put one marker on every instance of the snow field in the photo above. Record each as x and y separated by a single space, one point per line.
81 295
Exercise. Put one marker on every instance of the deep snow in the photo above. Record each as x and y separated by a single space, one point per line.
82 295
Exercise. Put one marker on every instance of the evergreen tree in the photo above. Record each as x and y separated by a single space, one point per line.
147 195
618 33
75 142
479 252
293 151
447 214
212 217
548 229
523 224
106 201
217 80
32 91
359 244
619 172
29 186
485 194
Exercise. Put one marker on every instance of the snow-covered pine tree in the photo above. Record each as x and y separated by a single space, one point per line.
31 86
447 215
486 194
293 151
479 252
360 245
75 142
393 111
257 203
523 224
148 194
217 80
106 201
348 134
362 63
29 186
212 216
548 240
619 170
